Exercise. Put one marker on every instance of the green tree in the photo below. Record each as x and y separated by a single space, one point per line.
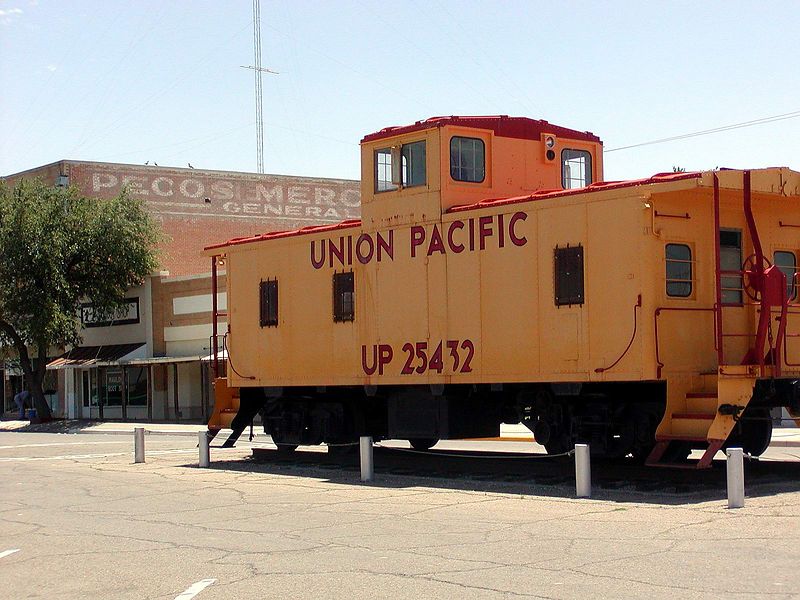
60 249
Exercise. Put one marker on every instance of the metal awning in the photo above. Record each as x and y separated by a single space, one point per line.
159 360
222 356
89 356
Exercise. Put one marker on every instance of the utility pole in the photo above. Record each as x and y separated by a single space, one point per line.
257 71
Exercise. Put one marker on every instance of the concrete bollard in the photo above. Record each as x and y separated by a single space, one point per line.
583 471
138 444
735 477
205 454
367 466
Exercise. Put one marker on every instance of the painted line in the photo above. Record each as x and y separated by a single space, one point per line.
5 553
195 589
61 444
106 455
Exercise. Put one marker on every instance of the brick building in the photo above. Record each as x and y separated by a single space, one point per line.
152 363
200 207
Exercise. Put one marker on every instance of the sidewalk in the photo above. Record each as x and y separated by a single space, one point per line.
781 436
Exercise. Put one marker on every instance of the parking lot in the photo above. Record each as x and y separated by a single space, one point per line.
80 520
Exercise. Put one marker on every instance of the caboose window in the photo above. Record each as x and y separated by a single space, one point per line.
569 275
413 164
787 263
679 270
344 308
576 169
268 303
467 159
383 170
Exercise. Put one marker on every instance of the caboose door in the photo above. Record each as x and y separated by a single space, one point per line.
736 317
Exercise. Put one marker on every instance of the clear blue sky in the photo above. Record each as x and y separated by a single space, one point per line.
161 80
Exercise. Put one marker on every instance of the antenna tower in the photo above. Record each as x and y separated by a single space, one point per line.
257 73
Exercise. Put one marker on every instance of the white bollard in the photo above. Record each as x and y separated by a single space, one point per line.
367 467
202 444
138 444
735 478
583 471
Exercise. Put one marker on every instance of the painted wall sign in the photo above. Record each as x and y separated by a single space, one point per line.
206 194
448 238
128 315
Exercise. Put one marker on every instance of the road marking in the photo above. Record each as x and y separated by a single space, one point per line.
195 589
60 444
5 553
106 455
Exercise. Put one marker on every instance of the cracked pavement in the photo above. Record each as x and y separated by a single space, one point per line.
95 525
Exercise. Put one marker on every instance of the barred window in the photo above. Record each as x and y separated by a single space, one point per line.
787 262
679 270
467 159
268 303
576 169
569 275
730 256
344 308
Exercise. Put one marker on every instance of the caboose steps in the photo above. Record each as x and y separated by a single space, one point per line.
703 417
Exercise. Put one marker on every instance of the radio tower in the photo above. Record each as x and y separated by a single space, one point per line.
257 71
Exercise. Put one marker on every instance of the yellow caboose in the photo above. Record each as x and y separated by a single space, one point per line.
495 277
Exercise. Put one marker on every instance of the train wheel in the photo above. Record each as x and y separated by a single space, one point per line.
423 444
558 444
646 423
756 433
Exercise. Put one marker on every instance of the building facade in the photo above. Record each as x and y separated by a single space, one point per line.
152 362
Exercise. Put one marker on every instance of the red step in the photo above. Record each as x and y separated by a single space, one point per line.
692 415
679 438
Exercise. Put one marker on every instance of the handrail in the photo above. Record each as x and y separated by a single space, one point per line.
214 310
717 280
230 361
628 347
660 309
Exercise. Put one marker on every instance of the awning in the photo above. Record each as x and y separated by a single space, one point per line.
87 356
222 356
159 360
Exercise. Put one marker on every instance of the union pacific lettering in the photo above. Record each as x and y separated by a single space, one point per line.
455 237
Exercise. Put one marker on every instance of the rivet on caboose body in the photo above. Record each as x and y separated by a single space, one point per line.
494 277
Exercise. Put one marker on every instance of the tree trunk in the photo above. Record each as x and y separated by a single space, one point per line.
35 379
33 376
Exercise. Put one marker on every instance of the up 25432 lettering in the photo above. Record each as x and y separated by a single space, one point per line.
450 356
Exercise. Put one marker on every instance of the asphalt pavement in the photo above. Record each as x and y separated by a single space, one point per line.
78 519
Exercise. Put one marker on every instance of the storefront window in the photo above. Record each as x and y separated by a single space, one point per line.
111 387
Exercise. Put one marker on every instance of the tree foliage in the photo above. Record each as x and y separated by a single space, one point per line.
60 249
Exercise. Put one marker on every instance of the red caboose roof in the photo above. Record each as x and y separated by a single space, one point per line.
502 125
598 186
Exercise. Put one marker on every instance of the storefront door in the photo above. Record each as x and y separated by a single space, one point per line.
89 395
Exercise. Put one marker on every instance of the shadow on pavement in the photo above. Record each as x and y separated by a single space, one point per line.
538 475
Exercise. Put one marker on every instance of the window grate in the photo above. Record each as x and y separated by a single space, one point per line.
344 297
569 276
268 303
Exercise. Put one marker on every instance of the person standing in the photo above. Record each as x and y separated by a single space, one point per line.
20 400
